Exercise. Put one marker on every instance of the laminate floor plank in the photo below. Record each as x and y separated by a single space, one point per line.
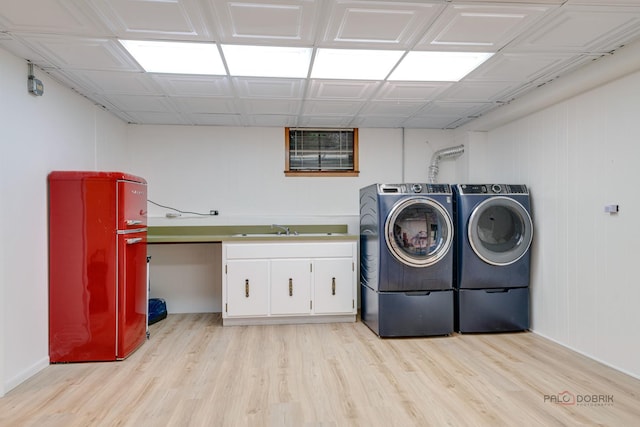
194 372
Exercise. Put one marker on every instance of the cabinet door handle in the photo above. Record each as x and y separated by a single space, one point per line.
333 286
246 288
290 287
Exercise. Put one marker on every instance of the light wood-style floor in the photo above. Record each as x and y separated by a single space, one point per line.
194 372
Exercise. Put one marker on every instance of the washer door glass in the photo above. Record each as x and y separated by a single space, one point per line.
419 231
500 231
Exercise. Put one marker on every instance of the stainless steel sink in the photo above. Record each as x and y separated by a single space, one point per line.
292 234
258 235
322 234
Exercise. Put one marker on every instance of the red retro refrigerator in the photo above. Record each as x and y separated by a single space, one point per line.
97 265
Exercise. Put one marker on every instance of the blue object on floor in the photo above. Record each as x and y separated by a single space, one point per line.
157 310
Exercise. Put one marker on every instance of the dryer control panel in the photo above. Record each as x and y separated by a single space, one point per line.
493 189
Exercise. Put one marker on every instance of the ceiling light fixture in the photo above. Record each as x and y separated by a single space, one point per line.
438 66
267 61
176 57
354 64
294 62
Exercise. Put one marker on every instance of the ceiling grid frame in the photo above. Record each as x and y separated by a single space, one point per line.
76 43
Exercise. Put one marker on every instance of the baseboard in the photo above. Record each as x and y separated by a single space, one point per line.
285 320
617 368
24 375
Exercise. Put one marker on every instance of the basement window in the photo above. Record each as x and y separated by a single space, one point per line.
321 152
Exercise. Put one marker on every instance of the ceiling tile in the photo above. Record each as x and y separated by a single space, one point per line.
391 108
519 67
430 122
268 107
51 17
16 46
82 52
274 21
131 103
378 122
480 27
271 120
121 82
341 90
581 29
157 118
153 18
478 91
374 23
214 119
412 91
181 85
325 121
269 88
331 108
206 105
69 79
459 109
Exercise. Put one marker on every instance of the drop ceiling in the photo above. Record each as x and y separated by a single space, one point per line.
76 43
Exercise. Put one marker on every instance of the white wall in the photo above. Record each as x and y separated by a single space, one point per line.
578 156
239 172
37 135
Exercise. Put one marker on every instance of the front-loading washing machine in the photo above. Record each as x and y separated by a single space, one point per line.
492 269
406 259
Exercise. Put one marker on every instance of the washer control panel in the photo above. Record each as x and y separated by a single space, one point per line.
416 188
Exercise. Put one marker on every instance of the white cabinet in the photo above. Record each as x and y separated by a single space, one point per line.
290 286
247 287
289 282
333 285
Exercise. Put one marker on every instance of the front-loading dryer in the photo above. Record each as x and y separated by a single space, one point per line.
492 269
406 259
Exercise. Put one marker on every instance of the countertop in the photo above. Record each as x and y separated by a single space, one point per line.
241 233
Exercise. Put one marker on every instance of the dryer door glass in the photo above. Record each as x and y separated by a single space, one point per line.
419 231
500 231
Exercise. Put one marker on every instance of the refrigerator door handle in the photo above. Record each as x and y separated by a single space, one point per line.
134 240
133 222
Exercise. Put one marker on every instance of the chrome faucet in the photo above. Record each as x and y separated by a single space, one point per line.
283 228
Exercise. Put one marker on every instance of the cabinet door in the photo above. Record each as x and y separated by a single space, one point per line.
290 286
247 288
334 285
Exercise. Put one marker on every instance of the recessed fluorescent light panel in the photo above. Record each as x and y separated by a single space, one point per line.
267 61
176 57
438 66
354 64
